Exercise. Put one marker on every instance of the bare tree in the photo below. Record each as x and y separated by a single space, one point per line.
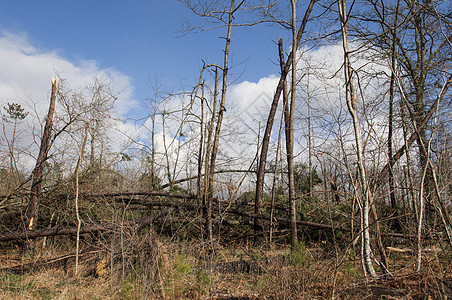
216 138
216 12
392 196
285 68
77 210
350 98
415 37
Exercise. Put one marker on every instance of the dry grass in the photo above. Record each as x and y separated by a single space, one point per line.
191 271
52 284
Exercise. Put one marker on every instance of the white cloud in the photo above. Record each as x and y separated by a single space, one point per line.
254 94
26 71
25 78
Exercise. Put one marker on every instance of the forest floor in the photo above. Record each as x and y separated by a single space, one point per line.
191 271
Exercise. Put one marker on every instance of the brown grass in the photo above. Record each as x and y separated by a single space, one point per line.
192 271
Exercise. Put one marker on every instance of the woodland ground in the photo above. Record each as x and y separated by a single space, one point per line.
169 269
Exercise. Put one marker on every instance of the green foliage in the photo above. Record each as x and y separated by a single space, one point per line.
203 280
352 253
181 266
350 268
44 294
248 197
301 176
15 283
178 189
131 289
150 182
300 255
15 112
447 255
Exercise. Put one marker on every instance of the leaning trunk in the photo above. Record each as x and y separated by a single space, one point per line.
36 186
266 138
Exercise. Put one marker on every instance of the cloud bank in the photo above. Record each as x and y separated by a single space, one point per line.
26 72
25 79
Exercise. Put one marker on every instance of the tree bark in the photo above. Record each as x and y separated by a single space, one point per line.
77 213
36 186
289 133
72 230
390 120
138 193
258 228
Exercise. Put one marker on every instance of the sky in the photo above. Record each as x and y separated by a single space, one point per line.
134 42
139 39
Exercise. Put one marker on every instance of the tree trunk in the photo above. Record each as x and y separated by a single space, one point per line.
289 134
222 109
390 122
206 199
413 137
77 213
258 228
36 186
350 98
266 138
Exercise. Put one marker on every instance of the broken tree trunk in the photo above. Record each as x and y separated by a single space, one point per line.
36 186
60 261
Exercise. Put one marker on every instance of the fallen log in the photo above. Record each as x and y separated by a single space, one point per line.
130 194
215 172
32 234
189 205
28 234
239 212
149 202
284 220
142 193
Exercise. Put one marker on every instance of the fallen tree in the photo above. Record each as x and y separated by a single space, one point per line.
132 194
156 215
70 230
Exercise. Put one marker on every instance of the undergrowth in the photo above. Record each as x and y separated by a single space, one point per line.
183 272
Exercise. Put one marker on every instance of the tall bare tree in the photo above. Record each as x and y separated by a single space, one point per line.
351 105
224 15
285 68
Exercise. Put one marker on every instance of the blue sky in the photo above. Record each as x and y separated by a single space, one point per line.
141 39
